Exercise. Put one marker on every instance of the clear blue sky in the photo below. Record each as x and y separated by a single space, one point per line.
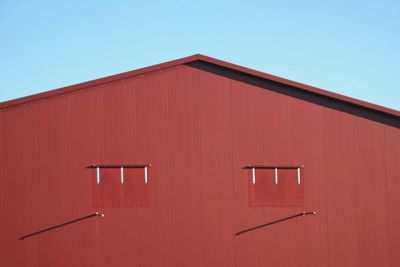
349 47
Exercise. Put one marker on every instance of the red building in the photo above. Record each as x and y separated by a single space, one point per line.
181 156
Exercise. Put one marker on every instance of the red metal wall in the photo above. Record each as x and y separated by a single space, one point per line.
198 130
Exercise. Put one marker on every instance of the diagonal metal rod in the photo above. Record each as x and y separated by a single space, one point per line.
304 213
61 225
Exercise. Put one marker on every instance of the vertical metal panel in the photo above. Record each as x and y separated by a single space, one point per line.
246 147
372 206
278 147
341 188
86 147
392 146
55 199
119 122
2 199
151 102
122 225
20 186
216 168
309 150
185 168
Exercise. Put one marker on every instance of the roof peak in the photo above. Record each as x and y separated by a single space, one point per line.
208 60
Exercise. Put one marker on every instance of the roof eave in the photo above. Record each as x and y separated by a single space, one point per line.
97 82
300 85
196 57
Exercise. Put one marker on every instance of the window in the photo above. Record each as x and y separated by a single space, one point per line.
121 186
276 185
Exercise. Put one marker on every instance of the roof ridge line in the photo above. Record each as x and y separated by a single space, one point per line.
188 59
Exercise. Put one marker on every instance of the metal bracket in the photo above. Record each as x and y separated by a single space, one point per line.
98 175
276 168
298 175
121 167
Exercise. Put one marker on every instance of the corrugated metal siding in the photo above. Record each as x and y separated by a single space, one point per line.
309 149
392 145
216 141
20 165
278 147
372 194
2 215
186 179
87 136
153 146
198 130
341 188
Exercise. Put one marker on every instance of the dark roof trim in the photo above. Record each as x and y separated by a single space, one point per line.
333 100
327 100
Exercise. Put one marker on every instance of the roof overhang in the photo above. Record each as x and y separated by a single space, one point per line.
233 71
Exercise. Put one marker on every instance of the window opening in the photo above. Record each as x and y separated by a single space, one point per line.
121 185
276 185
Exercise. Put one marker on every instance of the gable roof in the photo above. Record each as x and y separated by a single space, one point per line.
223 68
